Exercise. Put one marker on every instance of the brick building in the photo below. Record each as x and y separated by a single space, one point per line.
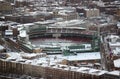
5 7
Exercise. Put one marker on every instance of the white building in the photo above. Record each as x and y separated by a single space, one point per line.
92 12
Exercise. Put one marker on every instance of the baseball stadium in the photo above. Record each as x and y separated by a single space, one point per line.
68 38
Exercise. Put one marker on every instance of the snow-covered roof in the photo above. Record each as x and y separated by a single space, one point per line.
13 55
69 23
116 73
24 0
83 68
117 63
64 12
25 25
49 61
83 56
29 55
8 32
116 51
117 44
112 36
91 9
23 33
1 47
80 56
99 3
118 24
1 0
65 8
45 22
3 23
91 71
114 41
69 27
